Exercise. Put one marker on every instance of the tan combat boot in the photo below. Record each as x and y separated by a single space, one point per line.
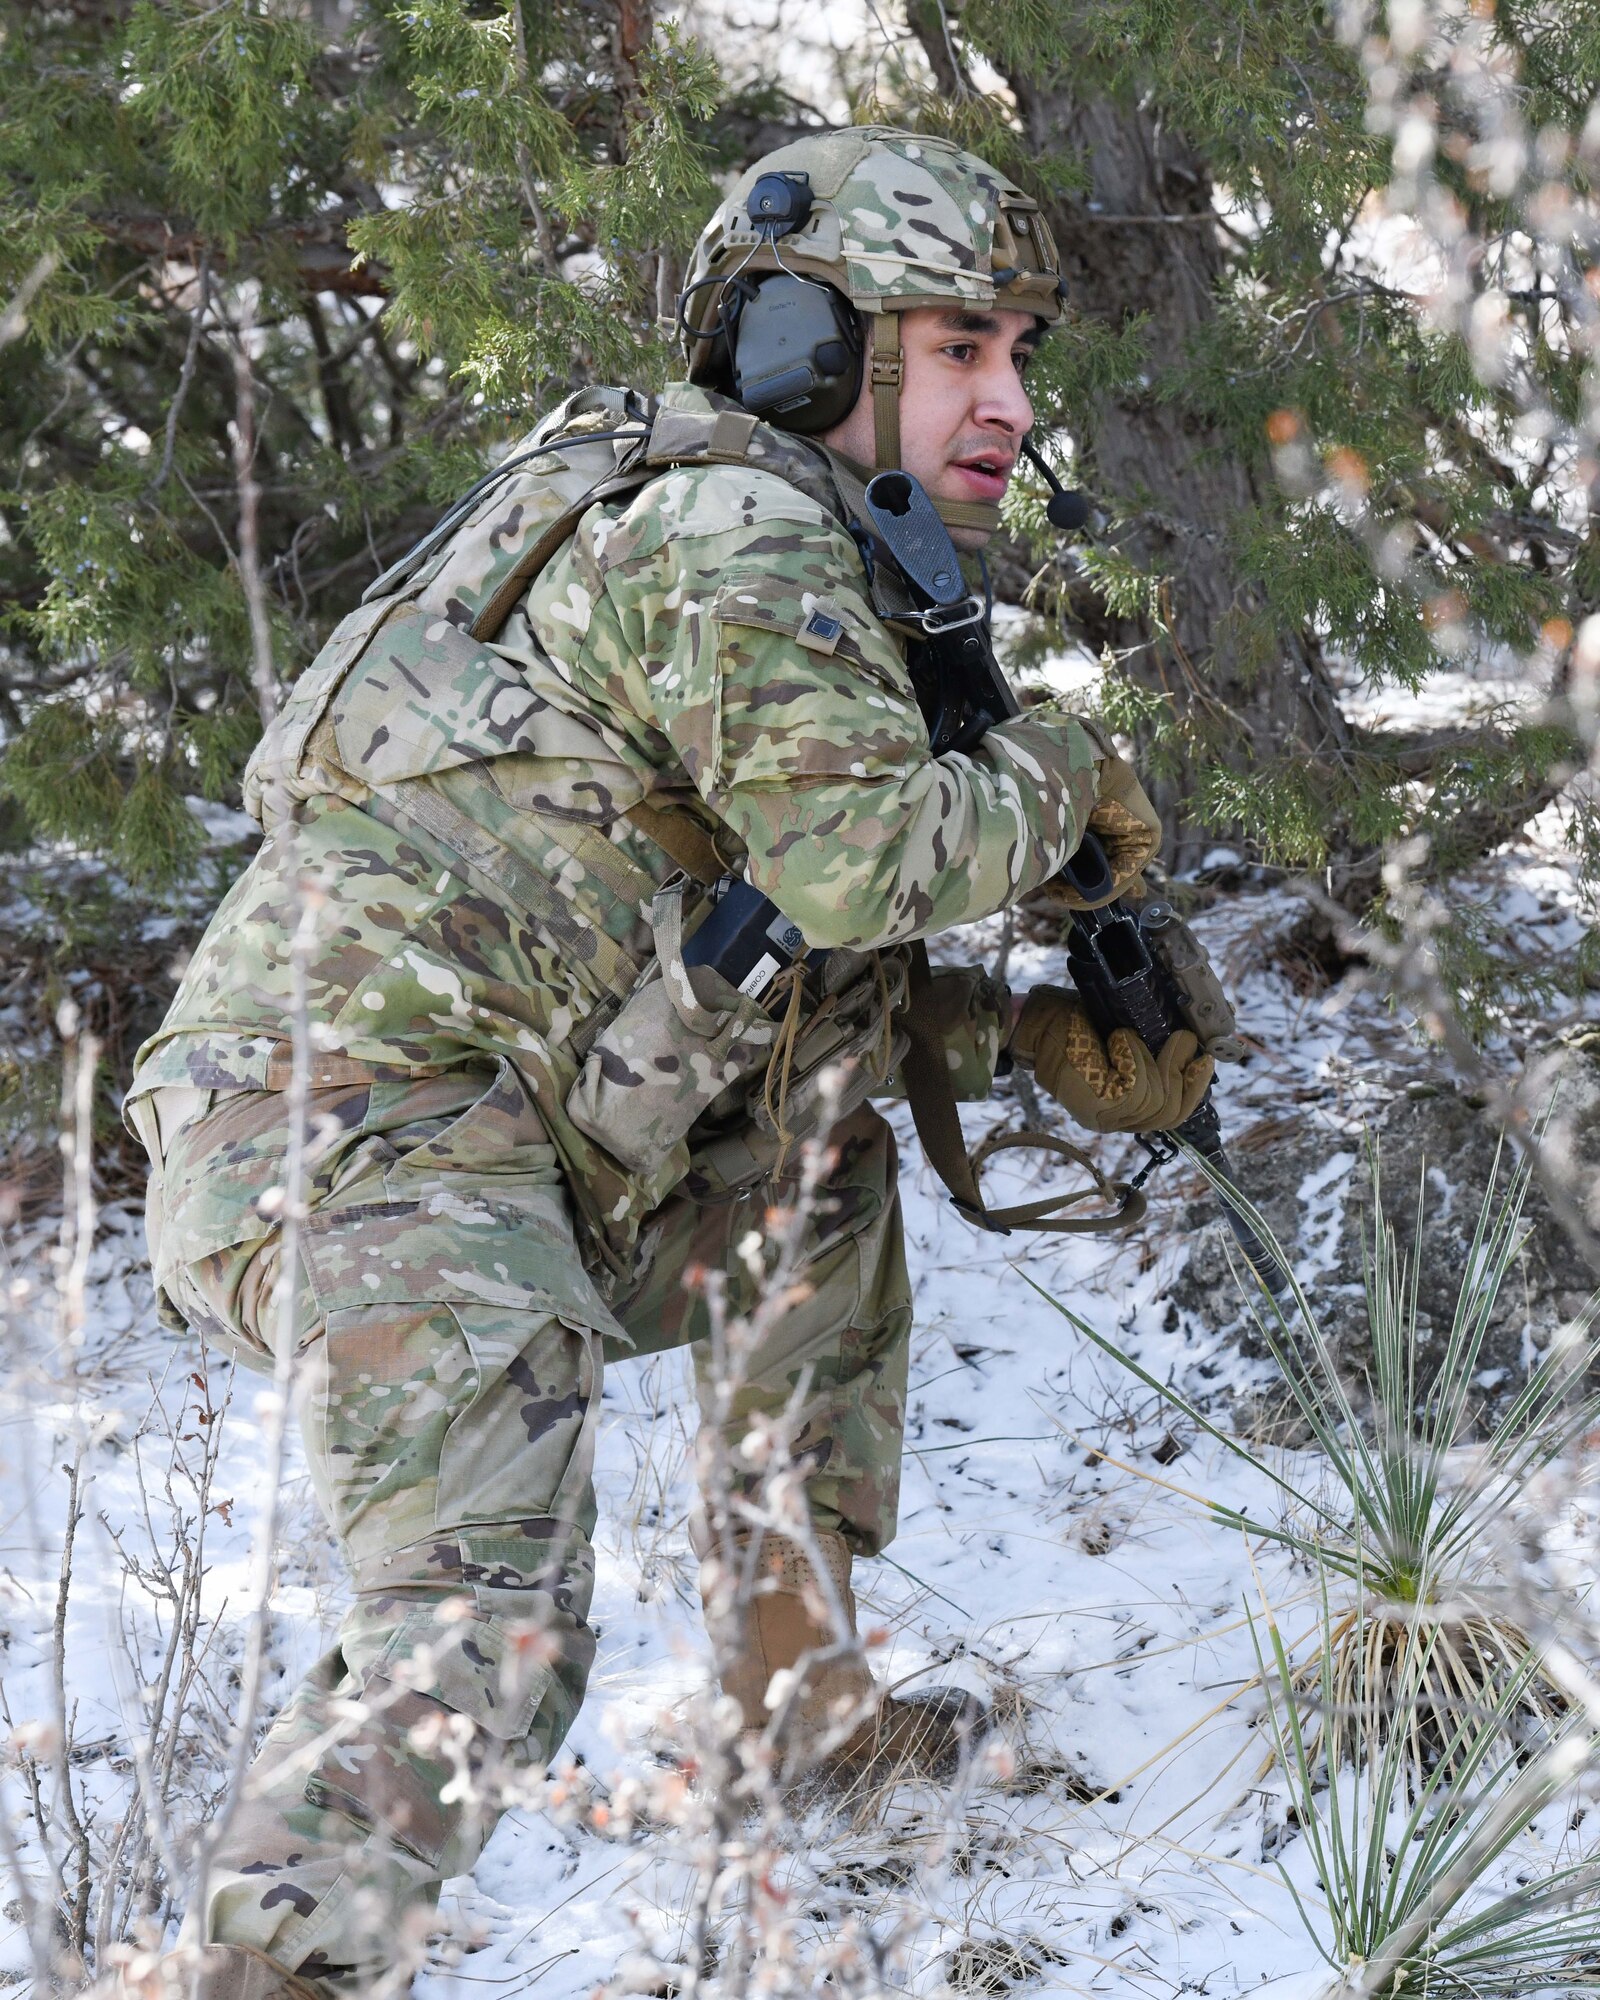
839 1714
213 1972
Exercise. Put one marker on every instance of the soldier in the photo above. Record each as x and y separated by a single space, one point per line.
643 658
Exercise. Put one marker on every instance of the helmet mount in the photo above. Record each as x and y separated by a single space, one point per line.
778 204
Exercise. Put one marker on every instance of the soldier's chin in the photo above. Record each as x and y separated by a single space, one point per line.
972 539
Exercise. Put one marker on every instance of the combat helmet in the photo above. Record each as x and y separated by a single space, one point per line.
799 278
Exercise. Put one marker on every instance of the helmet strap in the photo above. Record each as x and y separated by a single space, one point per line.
888 374
888 371
968 514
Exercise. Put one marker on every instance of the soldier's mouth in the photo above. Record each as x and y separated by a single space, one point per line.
986 475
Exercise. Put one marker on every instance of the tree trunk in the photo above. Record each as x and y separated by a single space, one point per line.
1142 241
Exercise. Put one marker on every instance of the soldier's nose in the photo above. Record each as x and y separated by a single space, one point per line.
1003 404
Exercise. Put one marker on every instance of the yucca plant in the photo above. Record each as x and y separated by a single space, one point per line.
1405 1514
1422 1896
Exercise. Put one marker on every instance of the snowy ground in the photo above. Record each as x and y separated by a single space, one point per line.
1049 1557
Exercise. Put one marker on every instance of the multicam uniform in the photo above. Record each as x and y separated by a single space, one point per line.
480 902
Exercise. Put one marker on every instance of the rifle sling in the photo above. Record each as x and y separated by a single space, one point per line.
938 1122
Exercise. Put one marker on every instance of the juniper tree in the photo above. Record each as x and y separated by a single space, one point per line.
424 220
1217 171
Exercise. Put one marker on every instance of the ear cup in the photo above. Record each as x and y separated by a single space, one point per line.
797 354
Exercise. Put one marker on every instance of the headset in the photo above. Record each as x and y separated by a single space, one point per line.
790 348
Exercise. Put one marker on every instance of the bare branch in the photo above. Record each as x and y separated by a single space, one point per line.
316 252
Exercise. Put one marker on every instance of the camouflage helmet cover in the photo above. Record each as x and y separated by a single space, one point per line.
899 219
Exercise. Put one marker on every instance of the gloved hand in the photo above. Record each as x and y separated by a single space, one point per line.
1128 826
1123 819
1115 1085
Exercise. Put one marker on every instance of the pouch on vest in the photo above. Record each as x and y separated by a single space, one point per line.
681 1039
968 1015
840 1056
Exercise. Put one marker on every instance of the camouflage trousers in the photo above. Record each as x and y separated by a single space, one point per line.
449 1348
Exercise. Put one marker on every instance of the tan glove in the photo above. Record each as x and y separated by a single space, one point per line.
1115 1085
1127 825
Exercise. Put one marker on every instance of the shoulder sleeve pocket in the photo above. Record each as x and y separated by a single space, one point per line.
809 686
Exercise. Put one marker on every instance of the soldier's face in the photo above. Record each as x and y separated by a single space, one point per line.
964 410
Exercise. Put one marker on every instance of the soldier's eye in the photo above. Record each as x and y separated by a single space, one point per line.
961 349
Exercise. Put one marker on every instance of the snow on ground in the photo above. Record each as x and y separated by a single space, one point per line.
1049 1556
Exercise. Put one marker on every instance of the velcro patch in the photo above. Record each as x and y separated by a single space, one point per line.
821 631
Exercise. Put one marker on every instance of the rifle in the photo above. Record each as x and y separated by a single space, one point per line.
1117 962
1115 954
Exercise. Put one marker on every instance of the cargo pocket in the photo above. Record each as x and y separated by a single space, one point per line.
464 1126
444 1321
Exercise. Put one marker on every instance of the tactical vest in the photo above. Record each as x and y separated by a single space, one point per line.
751 1077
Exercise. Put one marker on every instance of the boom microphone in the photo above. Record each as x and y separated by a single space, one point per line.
1065 509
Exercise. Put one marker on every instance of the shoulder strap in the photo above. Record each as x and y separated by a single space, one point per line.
938 1123
679 837
724 436
500 606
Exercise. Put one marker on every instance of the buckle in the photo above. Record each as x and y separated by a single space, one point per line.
978 1217
1159 1147
888 370
952 617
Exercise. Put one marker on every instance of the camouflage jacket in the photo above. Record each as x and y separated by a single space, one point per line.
481 894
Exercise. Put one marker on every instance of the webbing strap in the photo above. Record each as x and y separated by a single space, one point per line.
500 606
323 1069
677 437
419 804
938 1122
968 514
1129 1203
888 368
891 595
679 838
932 1099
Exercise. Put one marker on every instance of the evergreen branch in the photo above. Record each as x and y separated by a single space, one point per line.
185 376
314 252
1419 754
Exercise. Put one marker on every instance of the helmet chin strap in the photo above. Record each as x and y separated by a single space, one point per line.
887 377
